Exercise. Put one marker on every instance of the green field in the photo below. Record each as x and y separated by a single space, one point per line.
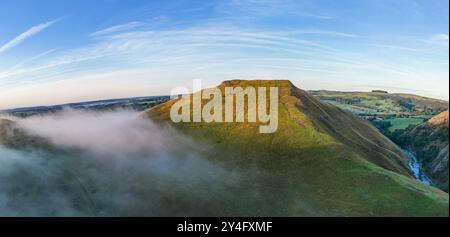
382 104
402 123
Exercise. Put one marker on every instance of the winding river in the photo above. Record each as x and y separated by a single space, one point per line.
416 168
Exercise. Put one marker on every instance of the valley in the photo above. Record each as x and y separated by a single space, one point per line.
322 161
408 121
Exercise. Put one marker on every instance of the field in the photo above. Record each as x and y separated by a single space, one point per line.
402 123
388 112
382 104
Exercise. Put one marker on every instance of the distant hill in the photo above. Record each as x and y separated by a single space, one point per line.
322 161
379 91
135 103
381 103
430 142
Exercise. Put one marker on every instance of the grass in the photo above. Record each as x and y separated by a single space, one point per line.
402 123
382 104
320 162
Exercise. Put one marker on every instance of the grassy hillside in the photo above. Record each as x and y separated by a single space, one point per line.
321 161
382 104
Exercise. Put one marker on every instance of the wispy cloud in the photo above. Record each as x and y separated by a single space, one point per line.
172 47
271 8
118 28
315 16
31 59
203 47
215 52
25 35
439 39
326 33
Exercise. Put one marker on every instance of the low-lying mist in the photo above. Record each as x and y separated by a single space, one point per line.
120 164
114 133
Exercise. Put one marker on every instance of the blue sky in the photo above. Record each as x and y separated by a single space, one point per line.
63 51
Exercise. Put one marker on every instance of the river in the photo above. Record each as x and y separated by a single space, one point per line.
416 168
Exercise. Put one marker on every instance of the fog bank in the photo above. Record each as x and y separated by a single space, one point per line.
119 164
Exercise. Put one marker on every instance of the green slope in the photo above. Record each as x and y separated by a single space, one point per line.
382 104
321 161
